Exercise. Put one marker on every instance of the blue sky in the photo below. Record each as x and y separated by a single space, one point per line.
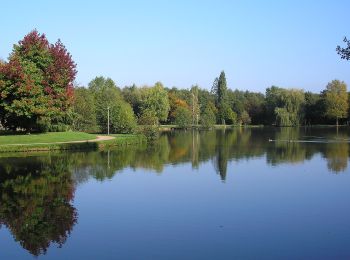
180 43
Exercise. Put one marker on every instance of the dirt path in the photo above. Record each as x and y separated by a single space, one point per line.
102 138
99 138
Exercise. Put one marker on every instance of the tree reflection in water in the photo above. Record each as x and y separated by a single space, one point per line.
36 193
35 198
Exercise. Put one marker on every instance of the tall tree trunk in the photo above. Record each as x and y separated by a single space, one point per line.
337 122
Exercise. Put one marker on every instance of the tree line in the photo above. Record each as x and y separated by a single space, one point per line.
37 93
152 105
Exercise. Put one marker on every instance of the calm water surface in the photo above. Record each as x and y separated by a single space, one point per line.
195 195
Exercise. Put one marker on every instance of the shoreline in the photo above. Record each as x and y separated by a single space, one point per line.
93 144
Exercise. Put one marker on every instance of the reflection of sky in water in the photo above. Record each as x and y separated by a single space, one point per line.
206 196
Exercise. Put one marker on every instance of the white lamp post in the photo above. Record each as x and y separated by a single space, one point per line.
108 120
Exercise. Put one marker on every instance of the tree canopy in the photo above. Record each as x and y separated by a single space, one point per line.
36 84
156 99
107 96
336 100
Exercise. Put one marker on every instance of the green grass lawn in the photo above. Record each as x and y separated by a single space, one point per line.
10 144
45 138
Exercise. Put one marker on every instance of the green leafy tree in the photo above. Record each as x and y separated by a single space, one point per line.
175 102
254 104
133 95
314 108
245 118
183 117
236 101
206 98
148 122
156 99
122 118
208 117
273 100
286 105
282 117
84 111
107 95
336 100
228 114
148 117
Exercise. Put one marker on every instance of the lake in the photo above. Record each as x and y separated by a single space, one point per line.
267 193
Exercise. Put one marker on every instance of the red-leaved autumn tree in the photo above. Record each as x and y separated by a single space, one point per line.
36 84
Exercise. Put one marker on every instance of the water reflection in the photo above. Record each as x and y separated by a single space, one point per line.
35 198
289 145
36 193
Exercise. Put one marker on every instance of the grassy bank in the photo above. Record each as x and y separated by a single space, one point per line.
63 141
45 138
122 140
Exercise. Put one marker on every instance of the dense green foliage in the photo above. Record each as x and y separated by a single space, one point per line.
102 99
225 112
148 122
84 111
122 118
156 99
336 100
314 109
183 117
208 117
186 107
287 105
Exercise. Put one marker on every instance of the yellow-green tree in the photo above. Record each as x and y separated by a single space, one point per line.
336 100
156 99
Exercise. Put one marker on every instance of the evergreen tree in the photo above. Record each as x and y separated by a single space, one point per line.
220 91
